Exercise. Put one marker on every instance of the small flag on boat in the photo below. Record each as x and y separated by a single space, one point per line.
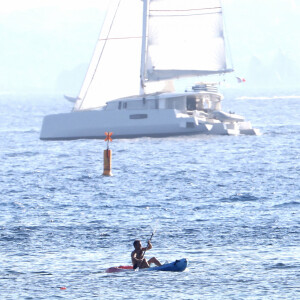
108 137
240 80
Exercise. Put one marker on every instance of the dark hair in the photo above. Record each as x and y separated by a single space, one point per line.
135 242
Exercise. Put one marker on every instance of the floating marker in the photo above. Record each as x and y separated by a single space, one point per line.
63 288
107 156
107 163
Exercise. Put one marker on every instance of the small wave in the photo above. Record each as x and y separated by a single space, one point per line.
42 273
63 155
104 234
83 178
190 230
6 238
12 272
19 131
26 153
203 207
287 204
240 198
201 220
282 266
32 131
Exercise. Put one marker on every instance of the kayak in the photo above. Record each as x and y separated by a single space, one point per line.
175 266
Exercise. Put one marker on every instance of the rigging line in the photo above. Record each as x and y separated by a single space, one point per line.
189 15
121 38
228 53
192 9
101 53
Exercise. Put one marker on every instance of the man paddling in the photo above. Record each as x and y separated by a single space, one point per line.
137 256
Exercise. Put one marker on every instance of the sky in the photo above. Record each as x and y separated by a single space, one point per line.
47 44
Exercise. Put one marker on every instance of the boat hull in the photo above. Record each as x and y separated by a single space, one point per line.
124 124
175 266
92 124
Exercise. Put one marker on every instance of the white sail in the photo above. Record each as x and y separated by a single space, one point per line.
114 71
185 38
181 38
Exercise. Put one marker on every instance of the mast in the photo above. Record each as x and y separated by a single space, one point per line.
144 45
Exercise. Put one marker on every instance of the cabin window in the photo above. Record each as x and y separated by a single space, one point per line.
125 105
135 104
191 103
178 103
120 105
151 104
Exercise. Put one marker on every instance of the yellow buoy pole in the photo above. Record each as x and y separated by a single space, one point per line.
107 156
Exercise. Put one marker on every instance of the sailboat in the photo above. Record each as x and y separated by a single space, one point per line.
144 45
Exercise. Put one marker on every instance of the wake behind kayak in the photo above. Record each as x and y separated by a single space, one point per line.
175 266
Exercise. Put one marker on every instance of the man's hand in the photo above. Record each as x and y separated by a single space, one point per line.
149 245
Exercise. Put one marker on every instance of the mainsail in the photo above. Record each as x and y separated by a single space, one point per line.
185 39
181 38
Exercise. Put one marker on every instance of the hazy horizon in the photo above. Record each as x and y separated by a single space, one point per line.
47 45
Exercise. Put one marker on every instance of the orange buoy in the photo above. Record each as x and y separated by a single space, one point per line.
107 163
107 156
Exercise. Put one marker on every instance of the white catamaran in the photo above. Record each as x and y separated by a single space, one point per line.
128 90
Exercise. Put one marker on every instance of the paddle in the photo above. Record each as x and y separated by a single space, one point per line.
148 242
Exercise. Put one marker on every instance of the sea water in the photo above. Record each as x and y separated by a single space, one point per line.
229 204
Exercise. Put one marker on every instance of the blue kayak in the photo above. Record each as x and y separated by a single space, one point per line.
175 266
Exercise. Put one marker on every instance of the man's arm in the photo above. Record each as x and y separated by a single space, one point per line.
148 247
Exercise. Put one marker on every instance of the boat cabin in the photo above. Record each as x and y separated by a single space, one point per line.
184 102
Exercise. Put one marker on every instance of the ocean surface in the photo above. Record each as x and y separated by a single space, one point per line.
229 204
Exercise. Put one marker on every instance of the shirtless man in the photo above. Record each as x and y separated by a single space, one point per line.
137 256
